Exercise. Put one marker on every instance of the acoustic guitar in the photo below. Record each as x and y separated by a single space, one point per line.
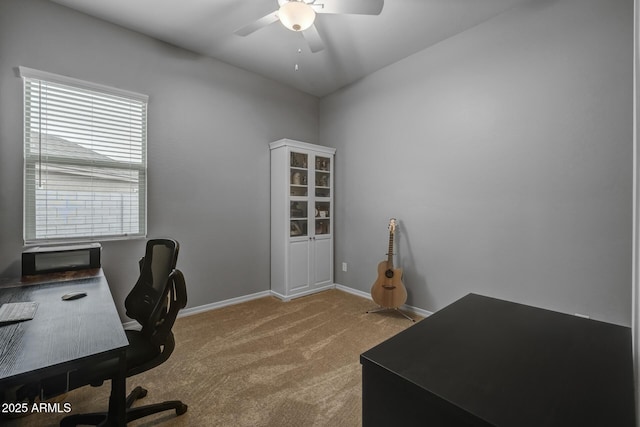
388 291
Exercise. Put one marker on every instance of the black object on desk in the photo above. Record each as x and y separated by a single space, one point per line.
49 259
73 295
63 337
486 362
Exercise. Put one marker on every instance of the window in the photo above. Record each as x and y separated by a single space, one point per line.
85 159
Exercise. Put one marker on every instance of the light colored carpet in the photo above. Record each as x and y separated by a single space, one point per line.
260 363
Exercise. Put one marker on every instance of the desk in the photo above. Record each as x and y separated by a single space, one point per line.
486 362
63 335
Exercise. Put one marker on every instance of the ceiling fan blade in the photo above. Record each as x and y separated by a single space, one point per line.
312 36
256 25
351 7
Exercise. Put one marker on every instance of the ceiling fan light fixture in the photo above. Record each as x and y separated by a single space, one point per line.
296 15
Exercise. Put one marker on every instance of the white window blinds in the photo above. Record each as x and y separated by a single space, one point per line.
85 159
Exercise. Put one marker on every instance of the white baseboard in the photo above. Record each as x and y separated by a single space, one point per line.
302 294
131 324
405 307
220 304
206 307
232 301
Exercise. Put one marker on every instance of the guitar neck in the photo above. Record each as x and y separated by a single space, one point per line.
390 253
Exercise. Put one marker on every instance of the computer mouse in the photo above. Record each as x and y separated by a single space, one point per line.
73 295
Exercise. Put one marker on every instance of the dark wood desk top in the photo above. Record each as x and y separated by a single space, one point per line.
63 333
507 364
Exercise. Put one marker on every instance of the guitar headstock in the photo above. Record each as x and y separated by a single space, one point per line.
392 225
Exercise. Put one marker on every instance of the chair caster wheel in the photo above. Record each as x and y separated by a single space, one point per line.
181 409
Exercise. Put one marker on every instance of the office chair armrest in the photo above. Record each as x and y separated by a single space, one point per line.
166 310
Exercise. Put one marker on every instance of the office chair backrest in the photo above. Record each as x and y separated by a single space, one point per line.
159 293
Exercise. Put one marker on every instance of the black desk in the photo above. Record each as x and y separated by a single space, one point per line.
64 335
487 362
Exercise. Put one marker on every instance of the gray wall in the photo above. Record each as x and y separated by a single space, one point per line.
635 324
209 129
506 154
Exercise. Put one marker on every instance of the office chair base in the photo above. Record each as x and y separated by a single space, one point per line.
390 308
100 418
136 393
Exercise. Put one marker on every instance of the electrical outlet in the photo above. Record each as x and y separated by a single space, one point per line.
344 266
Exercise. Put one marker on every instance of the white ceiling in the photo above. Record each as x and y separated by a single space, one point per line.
355 45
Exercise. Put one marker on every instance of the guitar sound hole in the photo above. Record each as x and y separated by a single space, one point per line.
389 273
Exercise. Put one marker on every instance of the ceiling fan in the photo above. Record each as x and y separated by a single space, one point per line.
299 16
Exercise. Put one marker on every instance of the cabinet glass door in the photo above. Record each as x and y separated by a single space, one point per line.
323 224
298 190
298 174
322 192
323 177
298 218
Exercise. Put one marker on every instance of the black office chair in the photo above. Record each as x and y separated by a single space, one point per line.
154 302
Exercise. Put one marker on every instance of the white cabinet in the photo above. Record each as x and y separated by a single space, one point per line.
301 218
